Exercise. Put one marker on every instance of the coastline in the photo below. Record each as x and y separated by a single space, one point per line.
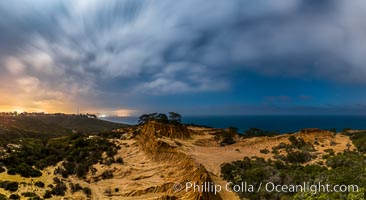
280 123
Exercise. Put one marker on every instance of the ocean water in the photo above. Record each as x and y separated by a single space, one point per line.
283 124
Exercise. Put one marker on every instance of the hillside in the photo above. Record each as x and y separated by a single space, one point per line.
48 126
149 161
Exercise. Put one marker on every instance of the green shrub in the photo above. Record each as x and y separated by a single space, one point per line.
119 160
47 195
39 184
78 151
75 187
60 188
10 186
264 151
87 191
329 151
359 140
3 197
29 194
298 157
14 197
107 174
347 168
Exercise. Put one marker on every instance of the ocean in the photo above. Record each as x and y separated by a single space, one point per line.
282 124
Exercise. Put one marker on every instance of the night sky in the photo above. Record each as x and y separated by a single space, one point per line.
195 57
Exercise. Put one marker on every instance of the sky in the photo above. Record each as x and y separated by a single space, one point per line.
195 57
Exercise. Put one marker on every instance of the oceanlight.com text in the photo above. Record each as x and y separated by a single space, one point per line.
270 187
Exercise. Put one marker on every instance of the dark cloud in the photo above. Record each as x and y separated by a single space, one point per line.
82 50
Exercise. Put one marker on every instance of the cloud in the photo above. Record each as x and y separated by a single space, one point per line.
78 48
14 66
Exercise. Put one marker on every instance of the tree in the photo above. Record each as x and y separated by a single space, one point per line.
334 130
143 119
162 118
175 118
233 130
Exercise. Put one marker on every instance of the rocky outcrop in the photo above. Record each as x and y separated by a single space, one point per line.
166 130
153 140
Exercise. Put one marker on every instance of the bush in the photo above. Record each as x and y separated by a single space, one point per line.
25 171
298 157
10 186
29 194
264 151
3 197
359 140
47 195
14 197
78 151
347 168
60 188
255 132
330 152
87 191
119 160
107 174
35 198
39 184
75 187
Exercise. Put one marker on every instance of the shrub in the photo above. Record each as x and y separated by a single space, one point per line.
264 151
330 151
29 194
75 187
60 188
39 184
346 168
78 151
35 198
255 132
14 197
87 191
25 171
107 174
298 157
10 186
47 195
119 160
359 140
3 197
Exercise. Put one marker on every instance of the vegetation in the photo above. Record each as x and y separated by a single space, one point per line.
29 194
87 191
298 151
346 168
226 137
255 132
39 184
13 128
174 118
9 185
14 197
359 140
78 151
264 151
60 188
47 195
75 187
108 174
